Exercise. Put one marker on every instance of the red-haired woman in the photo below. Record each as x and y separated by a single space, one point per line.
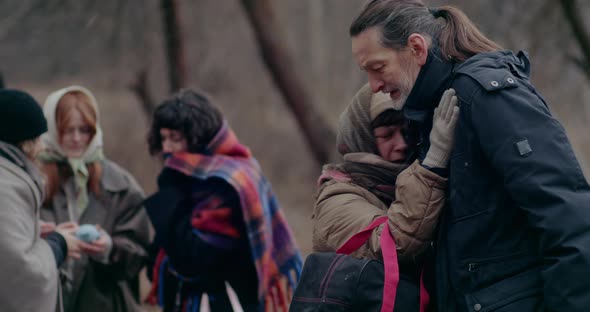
83 187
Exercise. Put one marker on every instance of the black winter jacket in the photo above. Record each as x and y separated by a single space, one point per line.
515 235
170 210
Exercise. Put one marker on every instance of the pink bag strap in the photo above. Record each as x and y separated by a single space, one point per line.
389 261
391 270
358 239
424 296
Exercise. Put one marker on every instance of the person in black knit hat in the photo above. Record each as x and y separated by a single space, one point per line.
29 264
21 117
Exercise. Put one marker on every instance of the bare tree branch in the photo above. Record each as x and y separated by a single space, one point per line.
575 59
118 18
538 31
24 11
174 44
141 89
175 56
573 16
279 61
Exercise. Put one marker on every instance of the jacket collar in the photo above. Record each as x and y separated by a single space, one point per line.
518 64
113 179
29 171
437 75
434 78
13 154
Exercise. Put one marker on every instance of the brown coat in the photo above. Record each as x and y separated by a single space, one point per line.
92 286
343 209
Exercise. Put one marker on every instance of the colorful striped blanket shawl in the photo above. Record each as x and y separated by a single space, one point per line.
275 254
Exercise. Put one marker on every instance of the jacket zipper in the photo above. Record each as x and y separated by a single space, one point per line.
472 266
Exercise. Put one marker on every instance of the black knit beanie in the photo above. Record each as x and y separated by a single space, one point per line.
21 117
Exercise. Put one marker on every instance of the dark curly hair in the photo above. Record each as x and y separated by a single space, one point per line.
189 112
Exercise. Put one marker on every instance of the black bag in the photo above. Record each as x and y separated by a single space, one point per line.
338 282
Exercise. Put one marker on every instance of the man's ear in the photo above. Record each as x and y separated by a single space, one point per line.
419 48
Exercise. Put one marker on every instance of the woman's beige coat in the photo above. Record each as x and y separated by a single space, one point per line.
343 209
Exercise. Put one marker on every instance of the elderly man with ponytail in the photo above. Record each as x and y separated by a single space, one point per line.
515 235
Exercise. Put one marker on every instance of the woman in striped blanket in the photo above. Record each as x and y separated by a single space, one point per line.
216 218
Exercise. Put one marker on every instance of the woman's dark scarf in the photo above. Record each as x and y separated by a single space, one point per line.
368 171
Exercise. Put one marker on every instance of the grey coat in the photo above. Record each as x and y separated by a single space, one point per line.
28 269
89 285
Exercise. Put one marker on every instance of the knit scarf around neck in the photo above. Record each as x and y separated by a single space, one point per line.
80 174
368 171
274 251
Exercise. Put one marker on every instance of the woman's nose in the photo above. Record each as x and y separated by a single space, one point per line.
166 148
76 136
400 144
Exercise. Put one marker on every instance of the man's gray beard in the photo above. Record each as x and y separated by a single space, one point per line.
399 103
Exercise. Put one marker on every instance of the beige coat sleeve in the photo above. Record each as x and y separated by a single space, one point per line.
420 196
343 209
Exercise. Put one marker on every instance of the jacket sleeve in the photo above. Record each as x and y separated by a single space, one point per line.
190 255
529 149
130 236
419 198
29 271
58 246
343 209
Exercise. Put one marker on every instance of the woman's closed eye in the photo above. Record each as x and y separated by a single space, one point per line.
383 134
176 138
82 130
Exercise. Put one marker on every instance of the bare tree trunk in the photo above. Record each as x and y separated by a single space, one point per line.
317 40
573 16
2 86
142 91
279 61
174 54
174 44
